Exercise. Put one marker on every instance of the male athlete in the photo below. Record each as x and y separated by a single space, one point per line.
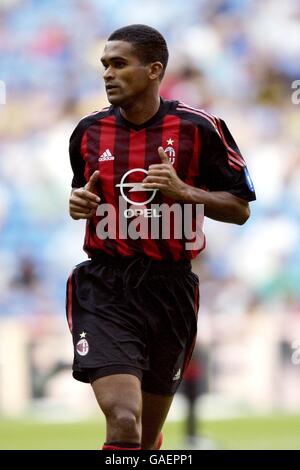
132 308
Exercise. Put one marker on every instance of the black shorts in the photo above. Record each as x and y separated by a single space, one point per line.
135 316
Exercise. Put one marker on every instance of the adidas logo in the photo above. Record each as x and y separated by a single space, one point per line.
106 156
177 375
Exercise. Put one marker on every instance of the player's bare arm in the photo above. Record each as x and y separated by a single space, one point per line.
83 203
219 205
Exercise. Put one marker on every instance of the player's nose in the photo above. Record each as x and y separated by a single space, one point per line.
108 74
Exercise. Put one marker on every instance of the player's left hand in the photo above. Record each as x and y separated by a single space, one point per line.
163 176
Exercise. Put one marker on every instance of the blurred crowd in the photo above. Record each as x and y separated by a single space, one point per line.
234 58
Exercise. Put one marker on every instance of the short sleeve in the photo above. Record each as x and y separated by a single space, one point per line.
222 166
76 159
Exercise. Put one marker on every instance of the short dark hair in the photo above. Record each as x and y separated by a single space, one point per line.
149 44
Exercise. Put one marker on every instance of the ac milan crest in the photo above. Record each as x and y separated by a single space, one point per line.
169 150
82 347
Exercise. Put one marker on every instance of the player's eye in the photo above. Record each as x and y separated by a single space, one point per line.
119 64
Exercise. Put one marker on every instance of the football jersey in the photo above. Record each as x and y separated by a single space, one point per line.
132 220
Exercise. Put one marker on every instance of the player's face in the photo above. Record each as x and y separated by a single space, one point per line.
126 79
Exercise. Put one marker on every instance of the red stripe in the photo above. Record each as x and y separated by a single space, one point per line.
107 138
83 150
198 113
153 141
112 447
233 152
206 113
84 153
189 354
171 129
89 153
181 103
196 309
70 300
160 441
193 172
121 153
235 161
238 168
108 180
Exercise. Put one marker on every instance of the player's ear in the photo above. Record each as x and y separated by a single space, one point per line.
155 70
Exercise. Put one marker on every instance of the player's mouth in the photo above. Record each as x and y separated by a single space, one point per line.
111 87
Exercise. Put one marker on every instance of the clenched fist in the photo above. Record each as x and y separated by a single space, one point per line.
83 203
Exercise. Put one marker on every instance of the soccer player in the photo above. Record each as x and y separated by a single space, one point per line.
132 307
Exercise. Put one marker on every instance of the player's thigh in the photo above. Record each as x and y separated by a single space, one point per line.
154 413
119 392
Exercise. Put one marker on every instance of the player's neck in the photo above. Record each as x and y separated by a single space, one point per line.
141 110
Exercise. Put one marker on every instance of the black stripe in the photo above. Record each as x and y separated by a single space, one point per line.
234 152
93 134
153 141
136 245
185 153
121 162
185 156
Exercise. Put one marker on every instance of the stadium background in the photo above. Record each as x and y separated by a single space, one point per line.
235 58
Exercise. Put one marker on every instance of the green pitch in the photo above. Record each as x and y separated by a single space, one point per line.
273 432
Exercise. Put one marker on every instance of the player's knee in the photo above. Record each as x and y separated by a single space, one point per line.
125 419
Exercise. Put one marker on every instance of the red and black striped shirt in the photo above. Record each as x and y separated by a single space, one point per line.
200 146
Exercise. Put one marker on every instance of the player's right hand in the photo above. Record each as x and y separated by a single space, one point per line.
83 203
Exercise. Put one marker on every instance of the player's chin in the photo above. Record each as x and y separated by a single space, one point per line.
114 99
